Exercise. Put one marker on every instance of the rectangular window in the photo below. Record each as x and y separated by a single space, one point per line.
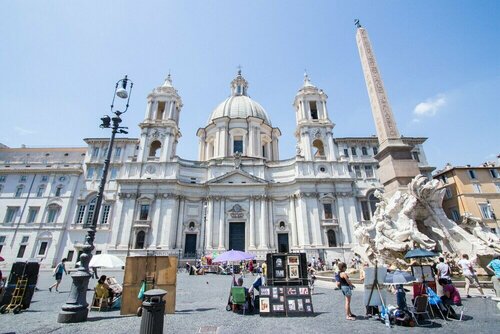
95 152
477 188
40 191
90 213
21 251
314 109
32 213
113 173
118 152
22 178
472 174
369 172
25 239
19 192
2 242
105 152
58 191
415 156
43 248
90 173
445 179
357 170
448 193
80 214
45 178
364 151
2 178
98 172
375 151
327 207
349 168
70 255
494 173
144 212
497 186
485 211
105 214
51 215
238 145
346 152
455 215
353 150
11 213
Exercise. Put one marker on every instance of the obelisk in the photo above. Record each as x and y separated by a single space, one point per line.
396 166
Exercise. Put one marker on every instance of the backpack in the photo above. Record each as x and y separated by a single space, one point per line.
337 279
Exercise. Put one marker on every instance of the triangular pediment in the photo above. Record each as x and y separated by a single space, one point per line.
237 177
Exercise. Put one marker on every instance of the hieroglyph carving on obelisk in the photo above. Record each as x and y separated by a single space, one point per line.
381 110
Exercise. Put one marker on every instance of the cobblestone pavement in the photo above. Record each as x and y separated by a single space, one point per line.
200 308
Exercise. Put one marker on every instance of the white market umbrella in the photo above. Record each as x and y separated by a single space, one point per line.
106 261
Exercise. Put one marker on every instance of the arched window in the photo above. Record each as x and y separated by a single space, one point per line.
139 240
154 150
373 202
282 225
369 206
320 149
332 240
52 213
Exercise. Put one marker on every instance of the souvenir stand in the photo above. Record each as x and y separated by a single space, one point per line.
287 293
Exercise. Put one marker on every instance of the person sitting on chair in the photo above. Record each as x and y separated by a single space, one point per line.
102 290
199 269
451 295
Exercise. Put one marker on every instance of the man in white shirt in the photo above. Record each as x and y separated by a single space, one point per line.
470 275
443 270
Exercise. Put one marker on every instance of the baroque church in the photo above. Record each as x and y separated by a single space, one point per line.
239 194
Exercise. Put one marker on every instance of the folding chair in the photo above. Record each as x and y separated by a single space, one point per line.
99 303
239 297
456 308
436 301
419 308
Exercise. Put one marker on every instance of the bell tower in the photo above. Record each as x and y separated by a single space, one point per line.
160 127
314 128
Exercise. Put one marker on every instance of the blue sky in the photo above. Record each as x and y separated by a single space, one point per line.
439 61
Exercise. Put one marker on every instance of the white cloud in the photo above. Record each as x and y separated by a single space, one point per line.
430 107
23 132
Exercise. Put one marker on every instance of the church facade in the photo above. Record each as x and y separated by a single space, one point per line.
239 194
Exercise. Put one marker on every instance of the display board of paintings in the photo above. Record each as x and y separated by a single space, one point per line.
287 268
288 301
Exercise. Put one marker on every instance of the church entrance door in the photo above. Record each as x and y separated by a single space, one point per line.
237 236
190 246
283 243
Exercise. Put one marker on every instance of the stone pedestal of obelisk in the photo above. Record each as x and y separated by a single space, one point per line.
397 167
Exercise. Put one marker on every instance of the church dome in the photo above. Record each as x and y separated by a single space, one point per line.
239 104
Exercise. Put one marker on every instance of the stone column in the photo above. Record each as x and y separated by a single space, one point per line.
263 217
270 223
315 219
331 146
156 221
180 223
209 224
114 223
252 224
293 222
222 224
171 220
302 225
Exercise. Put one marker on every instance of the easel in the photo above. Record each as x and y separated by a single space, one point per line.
376 285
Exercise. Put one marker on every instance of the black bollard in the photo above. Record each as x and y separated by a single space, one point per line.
153 312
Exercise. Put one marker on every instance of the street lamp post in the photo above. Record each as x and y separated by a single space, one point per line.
76 307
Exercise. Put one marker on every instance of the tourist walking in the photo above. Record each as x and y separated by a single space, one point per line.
58 274
494 267
470 275
346 286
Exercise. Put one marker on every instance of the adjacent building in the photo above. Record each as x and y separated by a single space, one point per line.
472 191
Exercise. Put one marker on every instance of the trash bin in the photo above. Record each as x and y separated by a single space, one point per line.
153 312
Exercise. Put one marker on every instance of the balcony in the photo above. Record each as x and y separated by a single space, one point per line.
142 223
330 222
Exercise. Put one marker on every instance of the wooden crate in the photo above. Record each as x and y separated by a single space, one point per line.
137 268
